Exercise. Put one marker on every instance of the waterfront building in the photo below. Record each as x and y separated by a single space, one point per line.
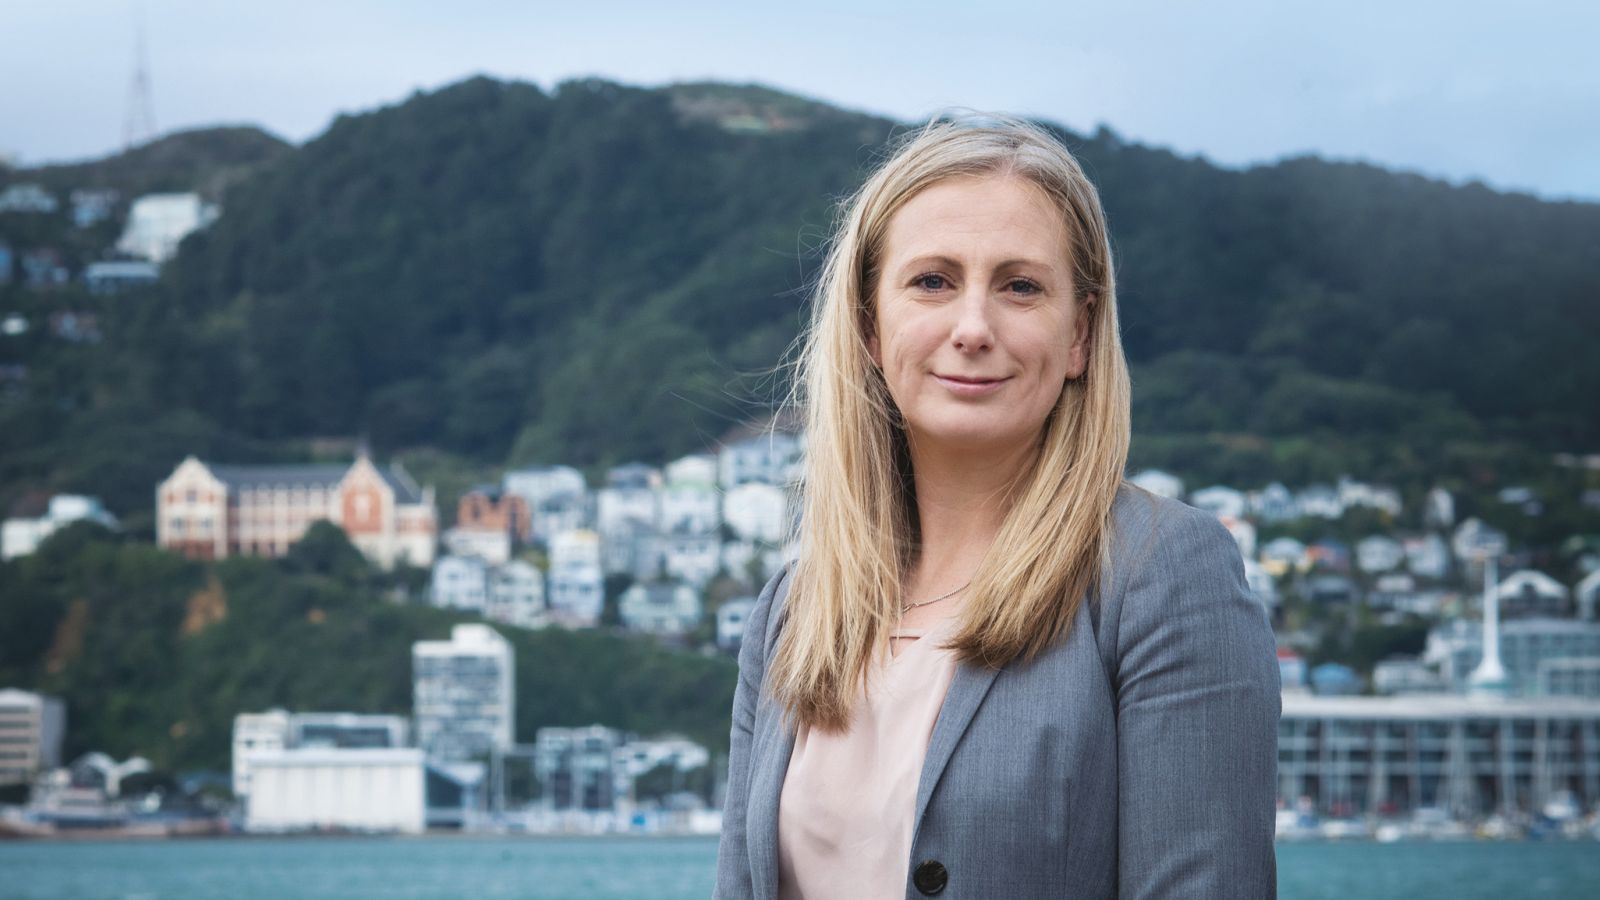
1456 649
278 729
660 607
22 536
574 767
380 790
32 727
1587 594
210 511
638 756
1532 593
1471 756
731 617
157 223
463 691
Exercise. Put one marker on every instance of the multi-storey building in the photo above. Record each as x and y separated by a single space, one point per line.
464 693
210 511
1471 756
31 729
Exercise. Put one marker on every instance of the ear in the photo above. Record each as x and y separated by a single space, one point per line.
874 351
1077 356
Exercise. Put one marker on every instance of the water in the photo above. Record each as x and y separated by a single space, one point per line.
671 868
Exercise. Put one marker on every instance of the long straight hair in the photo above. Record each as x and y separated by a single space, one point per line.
858 530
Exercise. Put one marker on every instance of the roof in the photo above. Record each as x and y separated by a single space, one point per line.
1437 706
399 480
269 476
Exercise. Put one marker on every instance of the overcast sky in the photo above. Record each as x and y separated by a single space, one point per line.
1501 92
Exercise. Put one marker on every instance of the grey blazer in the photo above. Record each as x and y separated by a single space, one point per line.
1137 757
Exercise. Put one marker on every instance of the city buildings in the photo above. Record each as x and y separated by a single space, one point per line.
32 727
210 511
1471 756
463 693
20 537
157 223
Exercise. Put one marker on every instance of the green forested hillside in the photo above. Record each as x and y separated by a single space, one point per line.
602 272
155 655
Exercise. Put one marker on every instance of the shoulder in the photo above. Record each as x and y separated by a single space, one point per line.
760 625
1156 536
1173 575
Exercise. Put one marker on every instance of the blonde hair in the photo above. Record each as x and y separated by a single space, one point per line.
858 529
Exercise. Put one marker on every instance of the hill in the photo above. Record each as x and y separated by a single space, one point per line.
155 655
604 272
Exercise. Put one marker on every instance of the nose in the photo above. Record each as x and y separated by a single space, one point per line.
973 332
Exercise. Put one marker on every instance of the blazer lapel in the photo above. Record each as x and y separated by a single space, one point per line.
968 686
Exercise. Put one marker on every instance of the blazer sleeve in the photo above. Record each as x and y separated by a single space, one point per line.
733 858
1197 721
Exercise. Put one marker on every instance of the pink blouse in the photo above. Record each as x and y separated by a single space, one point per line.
845 813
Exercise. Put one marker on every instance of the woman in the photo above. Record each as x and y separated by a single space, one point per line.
995 669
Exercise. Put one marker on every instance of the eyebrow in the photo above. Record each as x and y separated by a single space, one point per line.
951 263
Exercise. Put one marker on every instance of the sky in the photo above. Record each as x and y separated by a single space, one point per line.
1507 94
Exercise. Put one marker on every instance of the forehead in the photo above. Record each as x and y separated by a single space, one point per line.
979 216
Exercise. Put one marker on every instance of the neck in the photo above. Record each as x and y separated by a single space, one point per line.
961 503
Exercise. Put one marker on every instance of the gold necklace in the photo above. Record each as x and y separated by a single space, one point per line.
958 590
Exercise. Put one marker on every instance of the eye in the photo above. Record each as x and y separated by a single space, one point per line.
938 282
1024 286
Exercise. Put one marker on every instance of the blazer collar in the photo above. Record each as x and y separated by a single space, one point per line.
775 743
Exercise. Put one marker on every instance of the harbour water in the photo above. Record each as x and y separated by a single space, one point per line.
672 868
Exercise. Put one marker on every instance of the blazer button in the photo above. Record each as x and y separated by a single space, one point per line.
930 877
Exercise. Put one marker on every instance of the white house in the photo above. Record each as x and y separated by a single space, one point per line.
731 618
21 537
1221 501
660 607
765 458
1163 484
460 582
576 596
756 511
157 223
1379 553
516 595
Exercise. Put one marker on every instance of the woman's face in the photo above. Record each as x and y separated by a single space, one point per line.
976 327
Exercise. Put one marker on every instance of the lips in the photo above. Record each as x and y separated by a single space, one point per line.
970 386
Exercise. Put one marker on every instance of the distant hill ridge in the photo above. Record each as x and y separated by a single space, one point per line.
604 272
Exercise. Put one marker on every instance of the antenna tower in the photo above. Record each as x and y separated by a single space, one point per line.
140 125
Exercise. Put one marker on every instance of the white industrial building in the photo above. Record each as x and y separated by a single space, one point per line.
277 729
317 788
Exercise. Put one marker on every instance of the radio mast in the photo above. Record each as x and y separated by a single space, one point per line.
140 124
